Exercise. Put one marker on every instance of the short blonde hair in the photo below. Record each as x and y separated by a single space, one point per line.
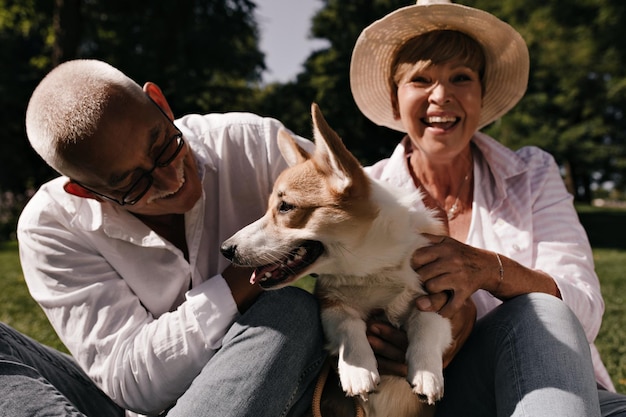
68 104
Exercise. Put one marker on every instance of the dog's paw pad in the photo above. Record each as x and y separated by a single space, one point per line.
428 387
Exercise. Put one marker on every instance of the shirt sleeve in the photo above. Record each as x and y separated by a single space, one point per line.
562 247
143 363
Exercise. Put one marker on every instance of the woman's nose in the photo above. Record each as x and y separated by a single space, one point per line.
440 94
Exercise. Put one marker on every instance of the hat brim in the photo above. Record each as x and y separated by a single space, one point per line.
506 54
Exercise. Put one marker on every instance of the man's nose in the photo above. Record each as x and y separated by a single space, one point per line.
167 176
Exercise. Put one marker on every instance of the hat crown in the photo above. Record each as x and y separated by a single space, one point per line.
425 2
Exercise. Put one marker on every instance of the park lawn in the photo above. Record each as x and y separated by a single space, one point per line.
606 229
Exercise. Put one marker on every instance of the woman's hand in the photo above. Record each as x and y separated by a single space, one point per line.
451 272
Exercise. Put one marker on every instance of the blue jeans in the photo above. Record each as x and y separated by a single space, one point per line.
36 380
268 363
267 366
528 357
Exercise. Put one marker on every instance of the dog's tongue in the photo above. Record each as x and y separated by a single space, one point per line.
259 273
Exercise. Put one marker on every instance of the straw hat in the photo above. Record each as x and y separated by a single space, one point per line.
506 54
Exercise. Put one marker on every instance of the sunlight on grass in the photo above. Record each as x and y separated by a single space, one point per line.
611 341
18 309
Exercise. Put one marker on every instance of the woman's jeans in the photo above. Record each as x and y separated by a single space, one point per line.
527 357
267 366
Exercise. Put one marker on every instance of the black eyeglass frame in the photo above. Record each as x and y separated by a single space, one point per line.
126 201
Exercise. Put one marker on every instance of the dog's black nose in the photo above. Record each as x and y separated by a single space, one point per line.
228 251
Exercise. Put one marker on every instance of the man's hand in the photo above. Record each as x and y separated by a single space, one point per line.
389 344
244 293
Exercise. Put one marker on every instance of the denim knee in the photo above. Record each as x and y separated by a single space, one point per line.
538 309
292 304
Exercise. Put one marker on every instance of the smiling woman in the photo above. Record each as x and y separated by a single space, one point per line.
504 209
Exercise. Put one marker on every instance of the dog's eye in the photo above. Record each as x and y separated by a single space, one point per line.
284 207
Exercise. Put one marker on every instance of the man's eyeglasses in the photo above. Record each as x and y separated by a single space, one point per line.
141 186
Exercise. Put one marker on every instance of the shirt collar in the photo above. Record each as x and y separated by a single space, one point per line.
501 164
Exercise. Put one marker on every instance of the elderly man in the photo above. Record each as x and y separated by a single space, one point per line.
122 254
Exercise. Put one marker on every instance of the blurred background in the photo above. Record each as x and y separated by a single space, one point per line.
206 56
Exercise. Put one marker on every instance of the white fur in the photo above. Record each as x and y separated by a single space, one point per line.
377 274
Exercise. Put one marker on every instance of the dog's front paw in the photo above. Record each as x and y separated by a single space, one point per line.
428 386
358 381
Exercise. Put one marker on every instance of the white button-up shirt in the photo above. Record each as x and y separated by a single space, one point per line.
119 295
521 209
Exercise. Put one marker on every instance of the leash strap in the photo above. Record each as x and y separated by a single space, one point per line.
319 389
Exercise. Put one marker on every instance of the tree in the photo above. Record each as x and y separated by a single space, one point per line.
24 30
574 65
203 53
325 80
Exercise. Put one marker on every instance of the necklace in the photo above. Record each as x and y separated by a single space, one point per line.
453 211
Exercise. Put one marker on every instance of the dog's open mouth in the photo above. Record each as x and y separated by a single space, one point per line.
288 268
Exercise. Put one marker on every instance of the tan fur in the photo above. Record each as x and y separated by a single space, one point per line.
327 217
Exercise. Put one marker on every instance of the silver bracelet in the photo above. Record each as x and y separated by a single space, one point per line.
501 271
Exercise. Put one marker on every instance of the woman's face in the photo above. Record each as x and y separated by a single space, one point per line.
439 106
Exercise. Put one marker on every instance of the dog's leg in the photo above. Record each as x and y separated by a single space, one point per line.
429 336
345 332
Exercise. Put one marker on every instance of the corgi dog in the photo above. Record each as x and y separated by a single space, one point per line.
327 218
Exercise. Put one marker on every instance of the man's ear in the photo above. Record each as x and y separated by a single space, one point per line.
78 190
154 92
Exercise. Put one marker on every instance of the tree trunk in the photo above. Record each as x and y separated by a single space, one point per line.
66 26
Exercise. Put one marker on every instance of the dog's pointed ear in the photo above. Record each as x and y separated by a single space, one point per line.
289 148
332 154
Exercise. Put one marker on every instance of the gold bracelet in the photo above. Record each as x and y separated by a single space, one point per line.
501 271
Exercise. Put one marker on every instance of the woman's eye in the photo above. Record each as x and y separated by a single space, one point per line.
419 79
462 77
284 207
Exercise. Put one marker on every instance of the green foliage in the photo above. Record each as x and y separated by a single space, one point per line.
203 53
574 104
24 36
325 80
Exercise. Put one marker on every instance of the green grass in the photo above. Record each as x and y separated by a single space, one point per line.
17 308
606 229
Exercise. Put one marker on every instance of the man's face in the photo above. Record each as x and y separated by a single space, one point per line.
131 139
